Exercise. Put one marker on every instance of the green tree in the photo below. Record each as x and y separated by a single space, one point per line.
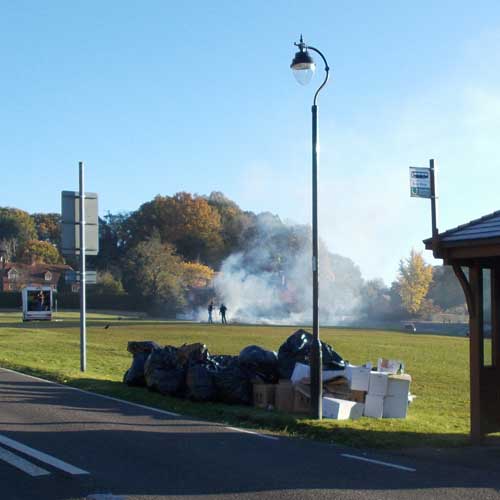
445 290
153 273
414 279
16 228
40 251
107 284
235 222
114 240
375 299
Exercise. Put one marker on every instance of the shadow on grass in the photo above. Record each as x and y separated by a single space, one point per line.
275 421
92 323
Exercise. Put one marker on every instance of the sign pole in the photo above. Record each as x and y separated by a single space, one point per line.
435 233
83 328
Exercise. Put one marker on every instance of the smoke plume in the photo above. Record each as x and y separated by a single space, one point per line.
270 279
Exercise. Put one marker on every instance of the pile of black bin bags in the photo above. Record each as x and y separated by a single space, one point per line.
190 371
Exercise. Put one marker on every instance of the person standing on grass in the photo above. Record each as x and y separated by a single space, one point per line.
210 310
222 310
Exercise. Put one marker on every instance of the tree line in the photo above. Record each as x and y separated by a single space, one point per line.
174 245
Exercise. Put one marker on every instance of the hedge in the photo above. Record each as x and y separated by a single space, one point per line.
10 300
121 302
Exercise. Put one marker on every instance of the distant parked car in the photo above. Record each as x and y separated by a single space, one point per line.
410 327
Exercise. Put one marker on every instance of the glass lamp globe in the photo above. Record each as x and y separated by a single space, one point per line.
303 67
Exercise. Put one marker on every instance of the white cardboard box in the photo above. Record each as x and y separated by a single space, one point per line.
341 409
302 371
374 406
399 385
378 383
359 377
395 406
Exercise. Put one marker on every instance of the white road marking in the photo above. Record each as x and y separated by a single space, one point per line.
378 462
137 405
22 464
245 431
105 496
42 457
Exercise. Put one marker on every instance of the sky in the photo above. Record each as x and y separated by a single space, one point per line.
158 97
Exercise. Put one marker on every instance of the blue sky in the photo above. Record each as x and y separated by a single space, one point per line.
158 97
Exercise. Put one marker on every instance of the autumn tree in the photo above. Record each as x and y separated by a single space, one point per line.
36 251
153 273
414 279
48 227
196 275
186 221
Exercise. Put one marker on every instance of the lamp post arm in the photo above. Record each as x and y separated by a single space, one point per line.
327 71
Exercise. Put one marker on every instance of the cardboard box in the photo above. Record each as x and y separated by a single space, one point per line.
284 394
395 406
301 399
358 396
378 383
359 377
389 365
340 409
374 406
302 374
399 385
339 386
264 395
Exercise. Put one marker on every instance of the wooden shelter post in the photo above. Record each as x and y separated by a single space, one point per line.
495 317
476 353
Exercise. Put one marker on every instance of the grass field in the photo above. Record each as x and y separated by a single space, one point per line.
439 416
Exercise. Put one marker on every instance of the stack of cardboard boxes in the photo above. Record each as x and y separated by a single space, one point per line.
387 395
349 394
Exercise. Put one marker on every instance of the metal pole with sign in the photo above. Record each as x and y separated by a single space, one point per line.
80 236
83 305
423 185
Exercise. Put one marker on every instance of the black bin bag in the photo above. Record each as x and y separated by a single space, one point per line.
261 363
233 384
134 376
163 374
297 349
200 382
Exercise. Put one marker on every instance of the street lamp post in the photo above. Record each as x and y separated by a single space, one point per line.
303 68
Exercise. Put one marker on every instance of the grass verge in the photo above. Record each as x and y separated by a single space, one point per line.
438 364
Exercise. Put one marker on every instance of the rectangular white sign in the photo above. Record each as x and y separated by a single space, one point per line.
420 182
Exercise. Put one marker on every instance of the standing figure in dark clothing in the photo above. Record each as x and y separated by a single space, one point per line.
222 310
39 302
210 310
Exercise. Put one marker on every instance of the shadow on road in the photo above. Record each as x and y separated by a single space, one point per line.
131 450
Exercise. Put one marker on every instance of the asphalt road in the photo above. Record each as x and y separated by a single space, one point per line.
60 443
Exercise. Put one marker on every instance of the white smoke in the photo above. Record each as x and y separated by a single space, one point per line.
270 280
